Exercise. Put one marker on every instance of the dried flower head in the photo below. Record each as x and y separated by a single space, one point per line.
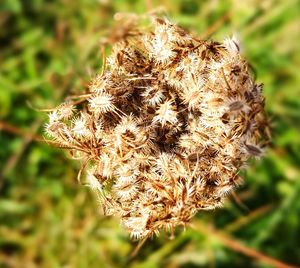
164 130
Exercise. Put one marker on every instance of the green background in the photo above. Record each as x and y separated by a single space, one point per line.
50 49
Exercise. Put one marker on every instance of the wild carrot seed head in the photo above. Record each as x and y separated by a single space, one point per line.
165 129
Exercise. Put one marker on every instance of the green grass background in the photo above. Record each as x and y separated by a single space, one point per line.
50 49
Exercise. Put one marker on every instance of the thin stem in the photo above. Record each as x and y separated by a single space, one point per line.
235 245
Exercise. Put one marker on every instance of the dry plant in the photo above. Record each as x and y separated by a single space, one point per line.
164 130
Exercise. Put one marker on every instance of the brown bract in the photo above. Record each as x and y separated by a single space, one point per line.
164 130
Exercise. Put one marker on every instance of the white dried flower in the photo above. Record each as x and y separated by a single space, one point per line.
165 114
92 180
80 127
101 103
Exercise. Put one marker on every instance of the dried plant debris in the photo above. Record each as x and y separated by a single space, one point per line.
163 131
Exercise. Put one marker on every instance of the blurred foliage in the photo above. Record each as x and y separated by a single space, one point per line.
50 49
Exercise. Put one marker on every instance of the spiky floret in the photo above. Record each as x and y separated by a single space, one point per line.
165 130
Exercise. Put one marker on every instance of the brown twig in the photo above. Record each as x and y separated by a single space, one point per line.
149 5
246 219
13 159
215 26
238 201
235 245
138 247
27 138
4 126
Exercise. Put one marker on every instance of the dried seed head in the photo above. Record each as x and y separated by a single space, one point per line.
166 128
